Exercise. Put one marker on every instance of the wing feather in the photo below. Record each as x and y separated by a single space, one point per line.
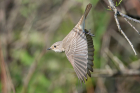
79 51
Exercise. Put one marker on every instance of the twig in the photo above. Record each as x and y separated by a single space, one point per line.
118 62
108 68
7 84
132 26
100 87
105 44
12 16
117 21
104 73
9 80
3 73
128 17
31 71
133 16
116 13
122 40
25 31
122 71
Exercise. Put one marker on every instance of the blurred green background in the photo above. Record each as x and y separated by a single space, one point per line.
29 27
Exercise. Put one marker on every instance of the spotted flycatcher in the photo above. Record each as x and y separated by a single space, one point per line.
78 47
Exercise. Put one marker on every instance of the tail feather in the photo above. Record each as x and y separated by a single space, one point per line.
88 8
82 20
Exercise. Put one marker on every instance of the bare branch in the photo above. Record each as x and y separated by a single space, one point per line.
130 18
117 21
116 13
122 40
115 73
7 84
132 26
3 73
121 72
118 62
31 71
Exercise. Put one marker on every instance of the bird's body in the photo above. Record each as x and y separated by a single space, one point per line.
78 47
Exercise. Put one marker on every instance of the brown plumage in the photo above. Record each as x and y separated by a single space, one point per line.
78 47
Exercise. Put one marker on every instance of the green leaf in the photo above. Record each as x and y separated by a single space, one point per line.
118 3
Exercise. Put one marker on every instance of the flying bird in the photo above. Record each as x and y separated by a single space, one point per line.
78 47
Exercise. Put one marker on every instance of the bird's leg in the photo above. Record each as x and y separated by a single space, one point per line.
88 32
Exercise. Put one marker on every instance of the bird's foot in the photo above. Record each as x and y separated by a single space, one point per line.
89 32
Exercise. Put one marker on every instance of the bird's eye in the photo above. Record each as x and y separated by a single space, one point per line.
55 46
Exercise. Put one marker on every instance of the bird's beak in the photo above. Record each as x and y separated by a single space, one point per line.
49 49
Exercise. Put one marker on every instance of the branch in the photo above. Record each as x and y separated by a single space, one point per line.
7 84
130 18
132 26
120 72
116 13
133 16
31 71
3 73
105 73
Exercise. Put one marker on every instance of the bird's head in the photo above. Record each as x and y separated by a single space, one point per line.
57 47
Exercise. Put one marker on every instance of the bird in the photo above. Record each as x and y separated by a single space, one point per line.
78 47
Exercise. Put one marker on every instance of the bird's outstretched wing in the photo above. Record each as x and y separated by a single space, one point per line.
79 52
